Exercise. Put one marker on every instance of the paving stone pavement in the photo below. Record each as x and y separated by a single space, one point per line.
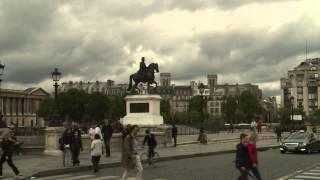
31 164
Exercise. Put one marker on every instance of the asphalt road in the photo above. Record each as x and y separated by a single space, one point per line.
272 164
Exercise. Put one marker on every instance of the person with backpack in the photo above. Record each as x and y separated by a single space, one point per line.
8 147
96 152
243 162
151 141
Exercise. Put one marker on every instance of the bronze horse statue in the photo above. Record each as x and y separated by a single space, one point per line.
148 77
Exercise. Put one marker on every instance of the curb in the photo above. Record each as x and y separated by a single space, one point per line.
54 172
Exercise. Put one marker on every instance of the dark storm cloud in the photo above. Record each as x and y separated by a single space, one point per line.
253 56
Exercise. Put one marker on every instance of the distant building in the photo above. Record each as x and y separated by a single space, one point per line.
180 99
302 83
270 107
19 107
108 88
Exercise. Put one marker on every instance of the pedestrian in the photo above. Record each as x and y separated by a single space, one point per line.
7 151
96 152
107 135
98 131
253 126
17 144
278 132
92 132
254 155
125 131
67 139
130 154
259 127
151 141
243 162
174 134
76 147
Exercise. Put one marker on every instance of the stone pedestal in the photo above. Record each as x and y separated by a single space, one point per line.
52 141
143 110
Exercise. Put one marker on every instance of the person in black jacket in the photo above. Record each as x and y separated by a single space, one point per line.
151 141
174 134
243 162
107 134
76 147
8 147
67 139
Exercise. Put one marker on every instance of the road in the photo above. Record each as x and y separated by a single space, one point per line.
272 164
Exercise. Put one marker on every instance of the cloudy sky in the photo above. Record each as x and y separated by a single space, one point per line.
243 41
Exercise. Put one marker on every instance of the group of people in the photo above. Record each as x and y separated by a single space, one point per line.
256 126
247 157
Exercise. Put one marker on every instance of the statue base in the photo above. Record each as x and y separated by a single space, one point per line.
52 141
143 110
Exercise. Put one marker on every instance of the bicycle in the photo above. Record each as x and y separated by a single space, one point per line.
146 162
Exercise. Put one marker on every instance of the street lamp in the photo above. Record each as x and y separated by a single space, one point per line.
2 124
55 120
201 91
292 103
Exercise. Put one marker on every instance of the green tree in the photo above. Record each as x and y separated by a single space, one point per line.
97 106
45 108
117 107
72 104
239 116
195 104
229 108
165 110
314 117
249 105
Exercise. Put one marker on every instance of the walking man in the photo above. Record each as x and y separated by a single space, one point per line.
243 162
174 134
130 154
151 141
107 134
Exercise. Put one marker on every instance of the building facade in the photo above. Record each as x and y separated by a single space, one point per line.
302 83
108 88
19 107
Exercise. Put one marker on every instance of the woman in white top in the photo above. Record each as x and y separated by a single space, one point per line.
96 152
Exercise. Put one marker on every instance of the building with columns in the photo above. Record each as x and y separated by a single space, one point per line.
20 107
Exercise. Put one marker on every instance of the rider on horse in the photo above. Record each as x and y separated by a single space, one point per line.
143 68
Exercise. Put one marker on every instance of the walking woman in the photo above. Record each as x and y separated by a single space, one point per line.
96 152
253 155
8 144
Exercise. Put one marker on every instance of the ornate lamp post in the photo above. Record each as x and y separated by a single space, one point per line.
292 103
201 91
55 120
1 116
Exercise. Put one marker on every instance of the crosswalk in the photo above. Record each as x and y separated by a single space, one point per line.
311 173
84 177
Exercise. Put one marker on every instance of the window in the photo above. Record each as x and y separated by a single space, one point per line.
312 96
299 83
300 90
300 96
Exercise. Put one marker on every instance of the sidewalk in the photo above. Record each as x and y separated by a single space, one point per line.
41 165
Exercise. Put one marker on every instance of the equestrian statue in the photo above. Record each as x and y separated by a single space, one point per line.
144 75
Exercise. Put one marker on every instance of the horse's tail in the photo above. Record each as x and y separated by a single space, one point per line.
130 83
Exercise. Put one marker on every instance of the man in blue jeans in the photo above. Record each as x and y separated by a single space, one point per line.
151 141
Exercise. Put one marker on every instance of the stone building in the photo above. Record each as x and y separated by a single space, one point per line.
19 107
302 83
180 99
108 88
270 107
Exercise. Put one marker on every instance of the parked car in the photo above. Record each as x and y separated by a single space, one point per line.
300 142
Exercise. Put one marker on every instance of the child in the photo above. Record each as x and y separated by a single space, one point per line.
243 163
150 139
253 155
96 152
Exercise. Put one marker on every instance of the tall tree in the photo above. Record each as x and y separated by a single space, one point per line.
45 108
195 104
249 105
97 106
229 108
165 110
72 104
117 107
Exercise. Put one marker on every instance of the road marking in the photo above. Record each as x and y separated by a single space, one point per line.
308 177
104 178
80 177
56 177
315 170
310 173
